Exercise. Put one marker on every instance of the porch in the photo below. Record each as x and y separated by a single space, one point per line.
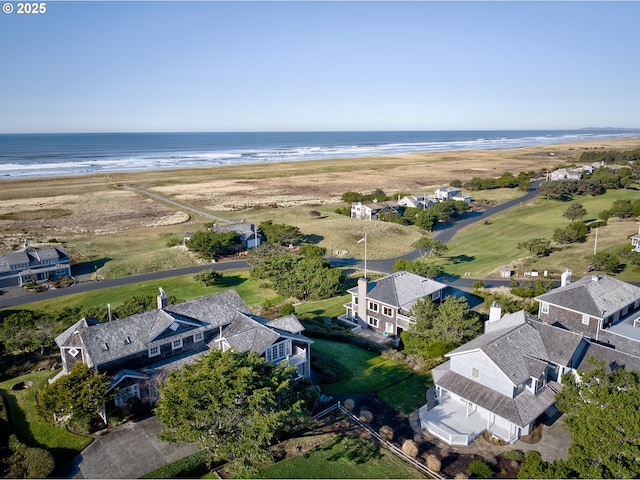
453 421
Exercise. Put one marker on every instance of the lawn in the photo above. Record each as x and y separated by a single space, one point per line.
31 428
474 248
345 456
365 371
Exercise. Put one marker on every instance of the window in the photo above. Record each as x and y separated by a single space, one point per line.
74 351
174 326
153 351
355 300
436 295
198 337
387 311
176 344
373 306
373 321
277 351
475 373
585 319
544 307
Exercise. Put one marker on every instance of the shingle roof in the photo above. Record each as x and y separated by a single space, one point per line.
596 296
401 289
613 359
107 341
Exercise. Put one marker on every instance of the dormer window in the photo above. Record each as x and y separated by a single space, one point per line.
174 326
74 352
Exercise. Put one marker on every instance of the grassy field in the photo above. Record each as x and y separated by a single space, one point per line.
394 383
183 287
483 249
31 428
345 456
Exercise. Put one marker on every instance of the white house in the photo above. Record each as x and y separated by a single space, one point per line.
34 264
371 210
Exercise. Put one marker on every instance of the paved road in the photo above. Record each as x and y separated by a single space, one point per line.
14 296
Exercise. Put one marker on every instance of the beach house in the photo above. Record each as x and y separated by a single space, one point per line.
139 351
34 264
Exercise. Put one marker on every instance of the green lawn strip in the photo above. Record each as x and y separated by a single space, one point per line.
407 395
183 287
345 456
474 250
31 428
364 371
332 307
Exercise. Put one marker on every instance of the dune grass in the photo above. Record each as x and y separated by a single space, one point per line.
345 456
31 428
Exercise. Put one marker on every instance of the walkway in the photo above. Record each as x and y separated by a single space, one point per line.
129 451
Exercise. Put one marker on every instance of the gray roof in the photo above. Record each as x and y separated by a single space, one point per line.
253 333
521 410
613 359
522 350
33 255
597 296
401 289
104 342
245 229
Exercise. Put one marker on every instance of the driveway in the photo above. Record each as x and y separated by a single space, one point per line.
129 451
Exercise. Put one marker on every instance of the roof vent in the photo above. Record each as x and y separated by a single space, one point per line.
595 278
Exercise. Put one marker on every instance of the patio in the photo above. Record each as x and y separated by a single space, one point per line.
453 422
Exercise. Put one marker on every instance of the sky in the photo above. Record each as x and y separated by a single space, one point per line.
120 66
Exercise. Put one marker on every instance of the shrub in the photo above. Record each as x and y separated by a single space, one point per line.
478 284
349 404
208 277
480 469
433 463
328 376
314 213
365 416
410 448
386 432
286 309
461 476
38 462
516 455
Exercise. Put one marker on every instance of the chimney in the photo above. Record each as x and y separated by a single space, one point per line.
565 278
495 312
163 300
363 284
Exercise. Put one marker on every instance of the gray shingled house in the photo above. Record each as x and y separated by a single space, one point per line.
384 304
34 264
602 308
140 350
501 381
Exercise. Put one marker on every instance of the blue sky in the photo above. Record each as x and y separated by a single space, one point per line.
270 66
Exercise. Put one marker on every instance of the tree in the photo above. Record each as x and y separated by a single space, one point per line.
604 261
311 250
573 233
419 267
426 219
233 405
208 277
601 412
575 211
540 247
210 245
433 247
438 328
280 233
78 396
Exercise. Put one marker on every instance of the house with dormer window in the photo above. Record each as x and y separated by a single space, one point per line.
34 264
502 381
139 351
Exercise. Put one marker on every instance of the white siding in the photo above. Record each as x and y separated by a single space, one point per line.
489 374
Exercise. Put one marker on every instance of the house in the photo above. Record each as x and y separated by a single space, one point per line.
371 210
446 193
249 236
384 304
416 201
34 264
635 241
139 351
604 309
502 381
566 174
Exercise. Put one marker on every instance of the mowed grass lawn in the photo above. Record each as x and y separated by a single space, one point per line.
482 249
345 456
31 428
366 371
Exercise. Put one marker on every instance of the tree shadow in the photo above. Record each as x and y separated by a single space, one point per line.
89 267
312 238
457 259
231 281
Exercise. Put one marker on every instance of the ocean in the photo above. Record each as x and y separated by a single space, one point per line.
47 155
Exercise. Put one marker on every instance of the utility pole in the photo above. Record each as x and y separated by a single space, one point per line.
595 244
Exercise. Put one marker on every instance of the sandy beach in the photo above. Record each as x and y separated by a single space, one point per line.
98 205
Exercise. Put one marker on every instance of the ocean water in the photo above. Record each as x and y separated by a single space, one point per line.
46 155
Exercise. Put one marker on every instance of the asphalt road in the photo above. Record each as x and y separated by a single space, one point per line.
15 296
